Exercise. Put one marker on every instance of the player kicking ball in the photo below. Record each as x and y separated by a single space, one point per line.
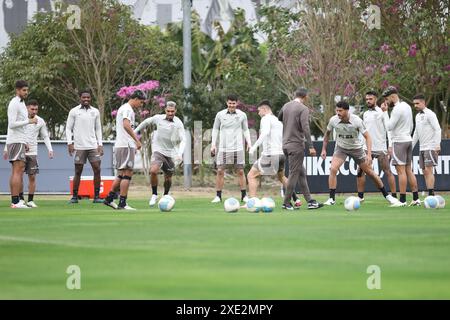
167 147
125 148
272 158
348 127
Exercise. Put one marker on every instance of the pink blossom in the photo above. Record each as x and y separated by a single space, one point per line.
251 123
412 50
148 86
144 113
132 61
301 71
385 84
349 90
385 68
435 80
114 113
252 109
369 70
385 48
145 86
447 68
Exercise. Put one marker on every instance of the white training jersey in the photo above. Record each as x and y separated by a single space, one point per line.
169 138
123 139
376 121
347 134
428 131
270 135
17 120
230 128
401 123
83 128
33 131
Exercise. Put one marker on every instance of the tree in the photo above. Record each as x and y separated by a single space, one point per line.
110 50
318 48
413 50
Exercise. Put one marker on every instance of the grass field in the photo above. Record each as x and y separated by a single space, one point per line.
200 252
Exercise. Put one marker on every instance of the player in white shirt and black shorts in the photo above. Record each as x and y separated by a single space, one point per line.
272 159
230 126
168 144
33 131
85 142
428 134
401 125
16 142
376 121
127 144
348 127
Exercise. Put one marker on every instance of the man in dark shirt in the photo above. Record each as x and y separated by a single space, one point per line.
295 118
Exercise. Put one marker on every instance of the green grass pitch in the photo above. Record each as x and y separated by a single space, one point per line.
198 251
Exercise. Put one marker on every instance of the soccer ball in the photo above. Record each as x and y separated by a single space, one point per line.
267 205
441 202
166 203
431 202
254 205
352 203
231 205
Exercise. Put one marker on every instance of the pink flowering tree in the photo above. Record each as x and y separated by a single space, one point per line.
412 49
319 48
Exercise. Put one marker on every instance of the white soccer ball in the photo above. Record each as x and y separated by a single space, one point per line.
231 205
431 202
267 205
166 203
441 202
352 203
254 205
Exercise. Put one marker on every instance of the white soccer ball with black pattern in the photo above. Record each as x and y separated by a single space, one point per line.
231 205
352 203
166 203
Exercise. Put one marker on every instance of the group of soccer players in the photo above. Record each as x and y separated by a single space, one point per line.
283 138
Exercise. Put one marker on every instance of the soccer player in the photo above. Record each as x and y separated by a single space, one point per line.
16 141
428 134
295 118
375 120
401 126
31 163
84 139
272 158
230 125
127 142
348 144
168 144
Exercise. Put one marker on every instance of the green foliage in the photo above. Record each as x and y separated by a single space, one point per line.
110 50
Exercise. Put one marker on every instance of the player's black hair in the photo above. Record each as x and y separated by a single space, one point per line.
419 96
21 84
301 92
232 97
265 103
81 92
138 94
343 105
32 102
372 93
390 90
